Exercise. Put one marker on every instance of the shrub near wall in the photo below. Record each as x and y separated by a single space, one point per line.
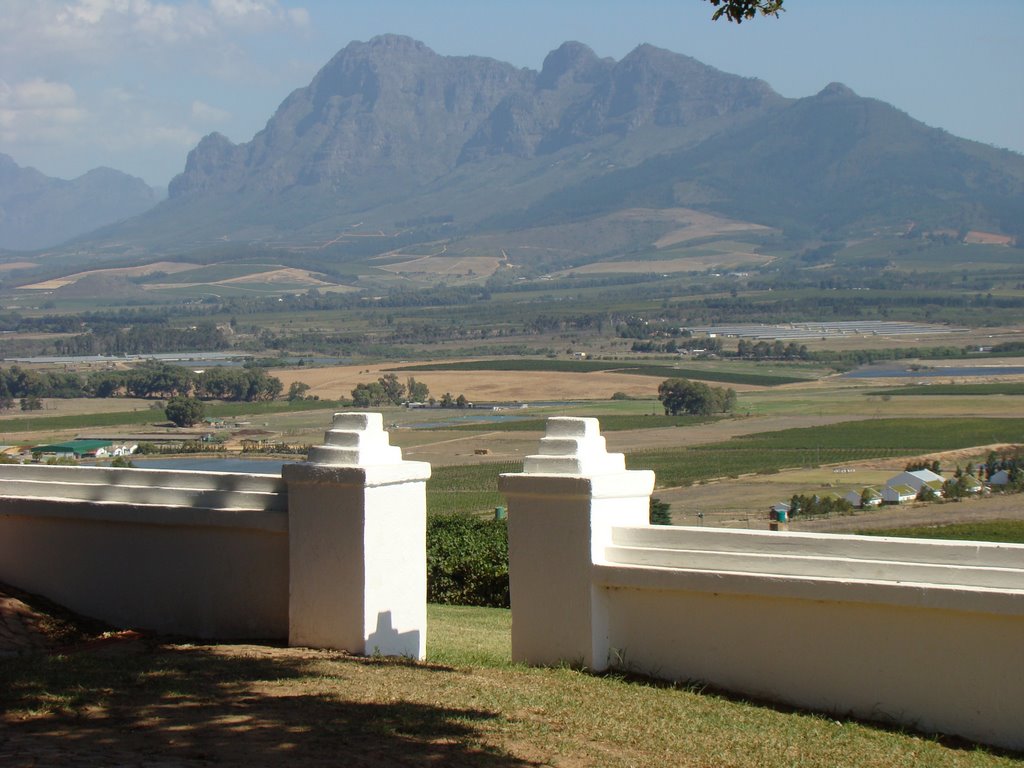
467 561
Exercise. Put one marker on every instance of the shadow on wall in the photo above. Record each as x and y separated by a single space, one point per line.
204 705
385 640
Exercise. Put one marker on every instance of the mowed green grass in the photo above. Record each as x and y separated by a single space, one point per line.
467 705
1001 531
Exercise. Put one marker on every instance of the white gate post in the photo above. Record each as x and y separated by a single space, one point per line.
357 543
561 510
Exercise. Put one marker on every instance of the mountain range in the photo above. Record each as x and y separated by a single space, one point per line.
38 211
393 140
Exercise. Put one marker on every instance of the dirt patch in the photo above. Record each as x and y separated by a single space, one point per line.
683 264
12 265
987 238
479 266
77 406
170 267
689 224
286 275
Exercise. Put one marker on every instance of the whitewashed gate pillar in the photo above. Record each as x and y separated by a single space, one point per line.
561 510
357 543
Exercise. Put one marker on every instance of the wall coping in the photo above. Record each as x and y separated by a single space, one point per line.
265 520
367 476
817 589
894 549
973 577
150 478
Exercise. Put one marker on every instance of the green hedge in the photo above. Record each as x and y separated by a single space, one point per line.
467 561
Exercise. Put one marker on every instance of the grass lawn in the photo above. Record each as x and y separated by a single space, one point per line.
468 705
1002 531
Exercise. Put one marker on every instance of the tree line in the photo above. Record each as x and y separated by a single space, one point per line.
151 380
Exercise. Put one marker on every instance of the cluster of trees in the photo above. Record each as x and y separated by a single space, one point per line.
145 339
1013 464
916 466
18 382
160 380
389 390
808 506
672 346
298 390
447 401
957 487
694 397
777 350
30 403
149 380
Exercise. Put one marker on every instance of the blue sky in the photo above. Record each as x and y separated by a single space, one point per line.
134 84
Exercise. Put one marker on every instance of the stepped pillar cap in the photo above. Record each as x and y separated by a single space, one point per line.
573 446
356 440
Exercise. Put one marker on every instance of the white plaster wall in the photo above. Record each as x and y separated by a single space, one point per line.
557 524
358 568
549 575
395 603
203 573
326 555
953 672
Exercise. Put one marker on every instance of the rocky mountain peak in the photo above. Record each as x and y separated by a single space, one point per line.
393 112
836 91
570 59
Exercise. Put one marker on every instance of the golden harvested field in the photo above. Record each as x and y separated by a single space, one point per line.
478 386
284 275
684 264
170 267
696 225
477 266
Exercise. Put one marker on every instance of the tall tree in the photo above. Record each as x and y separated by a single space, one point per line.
694 397
184 411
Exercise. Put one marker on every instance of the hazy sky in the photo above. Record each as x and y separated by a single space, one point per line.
134 84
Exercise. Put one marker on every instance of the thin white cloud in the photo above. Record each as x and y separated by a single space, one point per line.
242 9
38 109
299 17
206 113
40 31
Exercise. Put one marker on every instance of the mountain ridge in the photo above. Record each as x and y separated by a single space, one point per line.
38 211
389 133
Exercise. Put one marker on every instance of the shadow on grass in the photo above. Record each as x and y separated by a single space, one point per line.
204 705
